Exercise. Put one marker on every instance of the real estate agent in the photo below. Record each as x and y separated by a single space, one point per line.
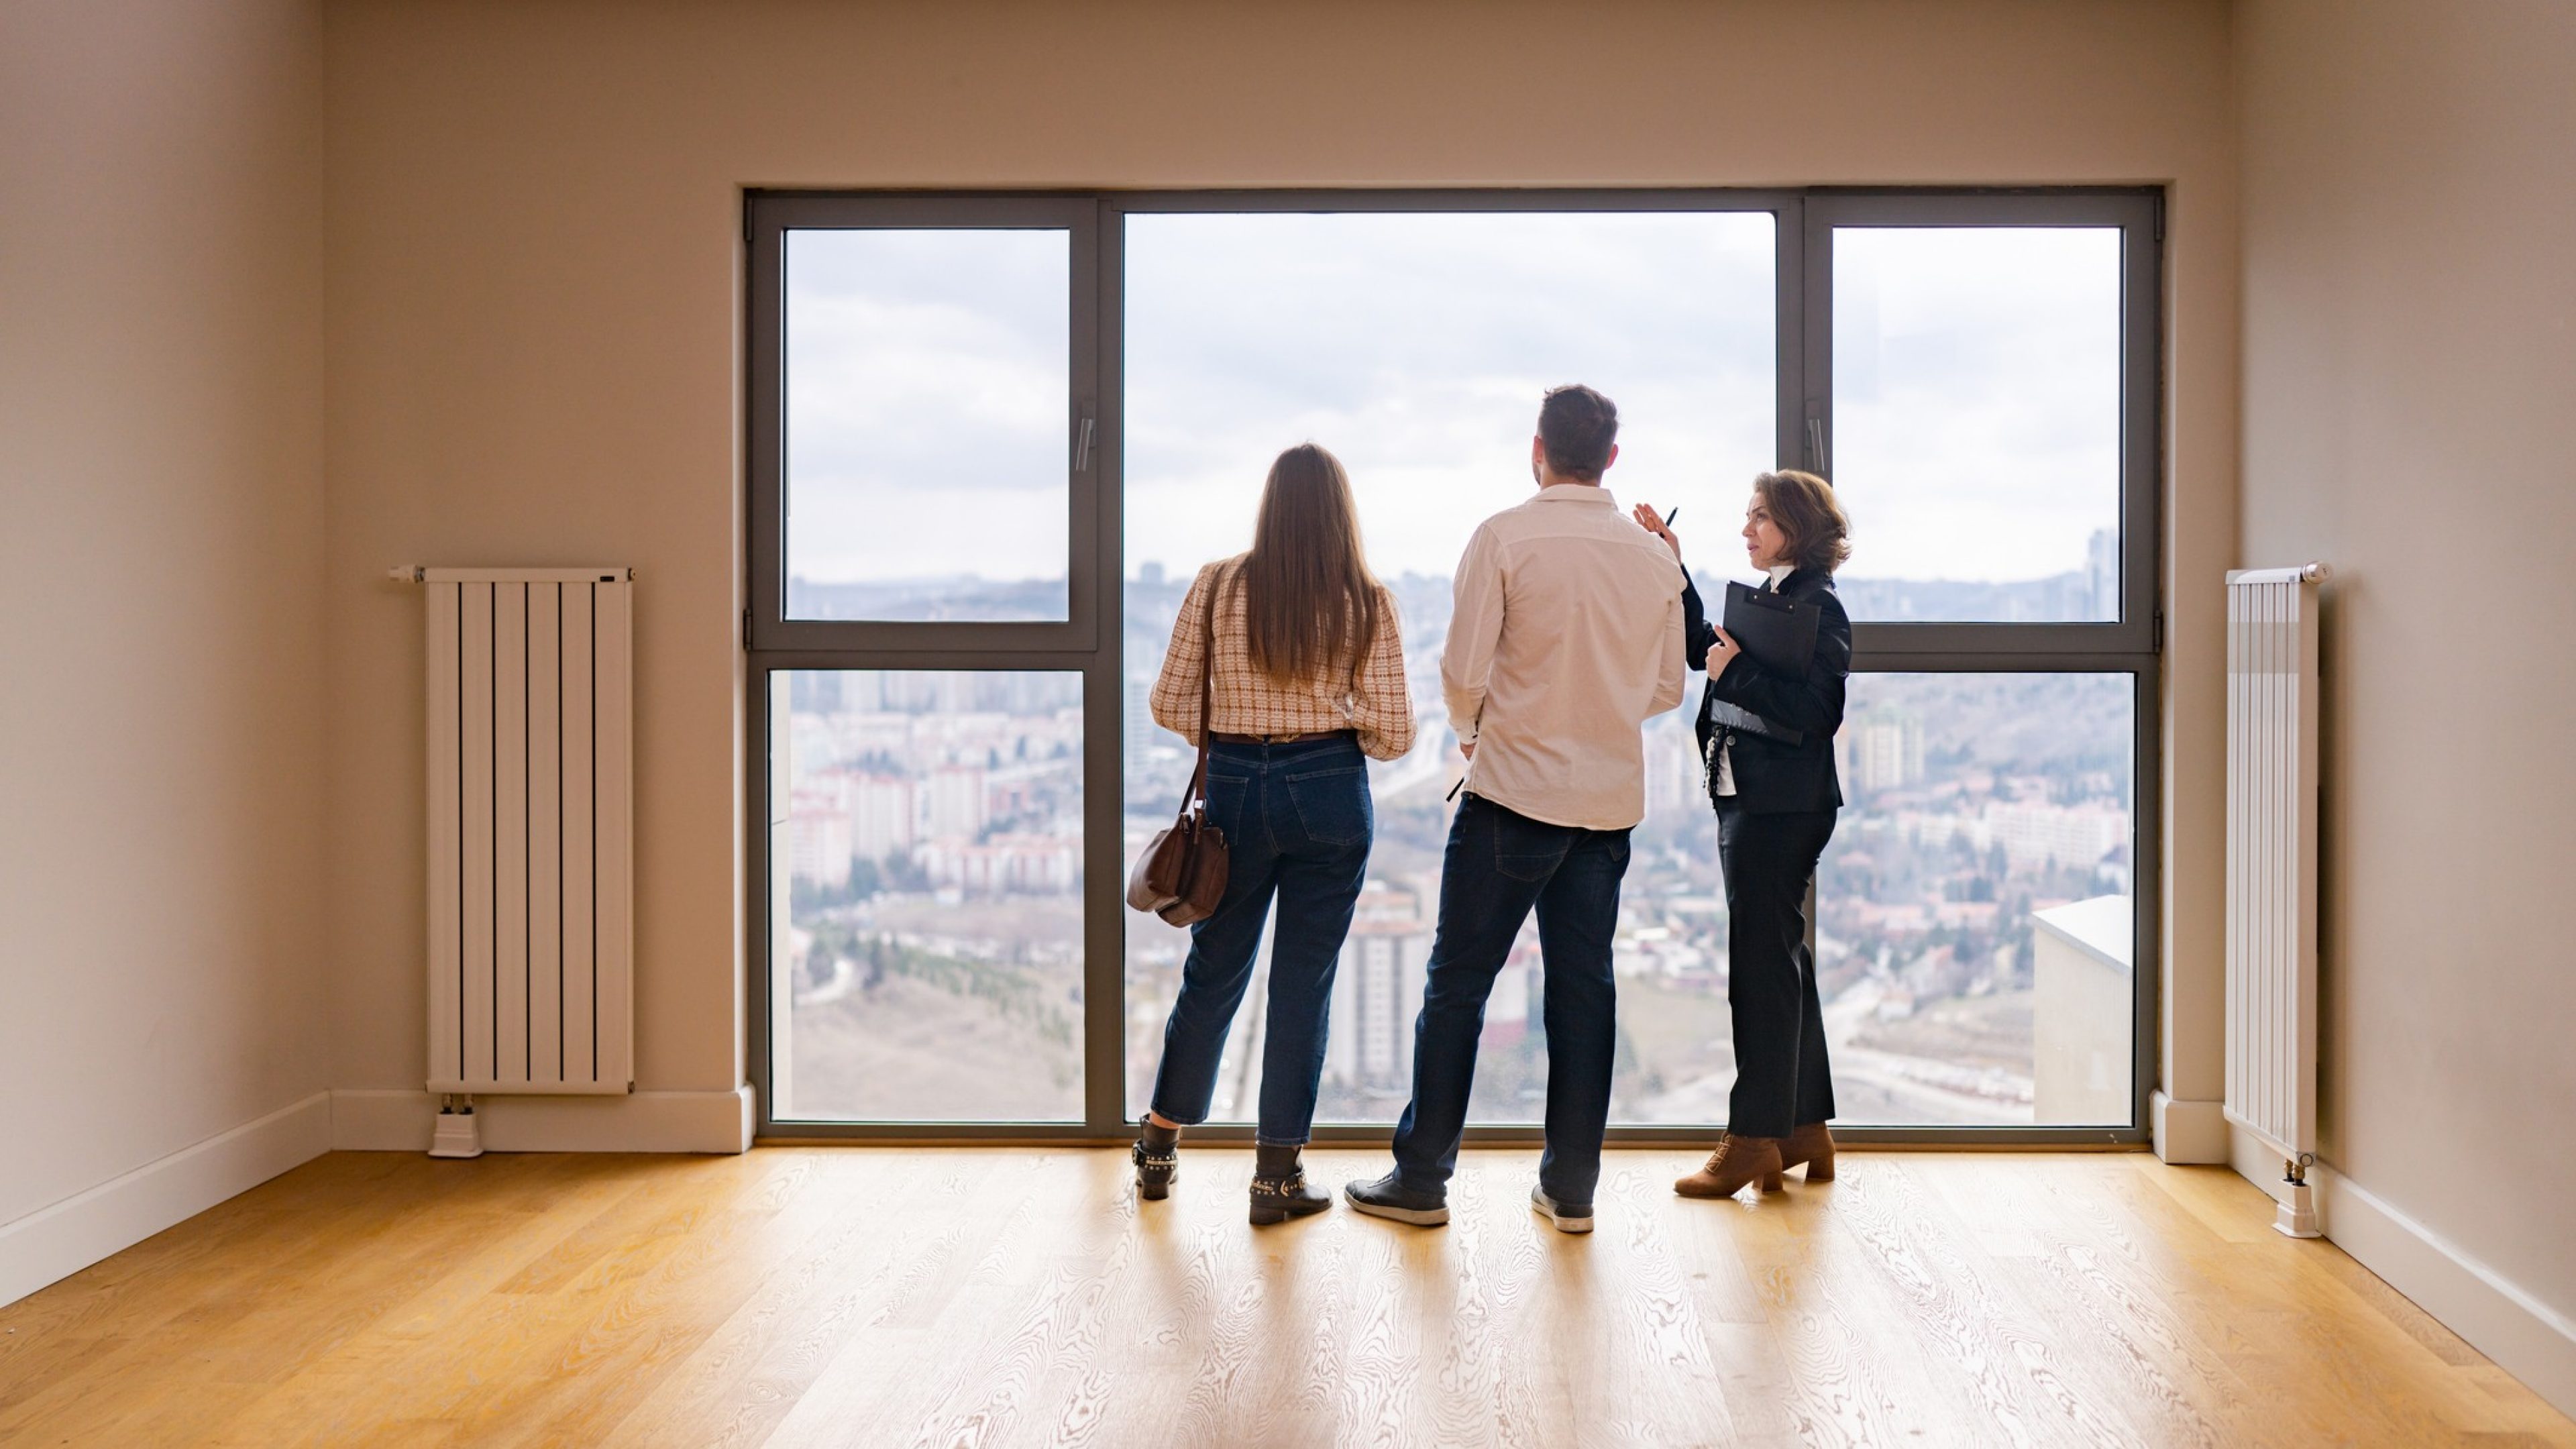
1772 781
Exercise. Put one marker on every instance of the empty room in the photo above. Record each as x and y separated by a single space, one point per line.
1309 722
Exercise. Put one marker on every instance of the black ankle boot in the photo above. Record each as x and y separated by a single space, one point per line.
1279 1187
1157 1156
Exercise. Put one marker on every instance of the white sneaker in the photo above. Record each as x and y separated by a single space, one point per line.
1569 1217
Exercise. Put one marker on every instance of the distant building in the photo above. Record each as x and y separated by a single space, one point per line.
1672 766
882 815
2102 571
1881 750
1137 722
1377 989
818 838
954 804
2035 835
871 732
2082 1012
1004 865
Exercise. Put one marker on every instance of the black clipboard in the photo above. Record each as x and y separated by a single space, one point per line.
1777 633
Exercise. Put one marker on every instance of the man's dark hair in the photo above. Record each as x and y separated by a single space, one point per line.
1577 426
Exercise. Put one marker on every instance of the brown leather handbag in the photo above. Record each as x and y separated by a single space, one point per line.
1181 875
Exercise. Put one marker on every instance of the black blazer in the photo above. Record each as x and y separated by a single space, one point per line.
1772 777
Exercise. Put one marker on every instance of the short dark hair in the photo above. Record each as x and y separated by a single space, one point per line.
1577 426
1812 522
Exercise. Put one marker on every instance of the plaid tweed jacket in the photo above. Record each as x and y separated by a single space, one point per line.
1377 703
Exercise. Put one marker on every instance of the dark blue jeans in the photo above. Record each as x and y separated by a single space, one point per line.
1500 865
1297 824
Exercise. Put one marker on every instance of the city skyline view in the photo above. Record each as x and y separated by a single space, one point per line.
1973 928
1975 802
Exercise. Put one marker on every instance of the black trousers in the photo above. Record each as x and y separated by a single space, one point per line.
1782 1079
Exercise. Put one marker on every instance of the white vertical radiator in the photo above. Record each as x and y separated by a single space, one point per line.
531 897
2273 706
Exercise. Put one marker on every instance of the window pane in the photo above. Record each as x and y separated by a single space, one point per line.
1977 421
926 871
927 382
1415 346
1975 920
1975 925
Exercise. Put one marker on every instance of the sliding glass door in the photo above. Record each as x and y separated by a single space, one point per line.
994 437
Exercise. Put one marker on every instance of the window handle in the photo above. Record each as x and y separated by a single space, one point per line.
1082 448
1816 444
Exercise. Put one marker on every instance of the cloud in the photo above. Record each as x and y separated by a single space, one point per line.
928 403
1415 346
1977 383
1976 398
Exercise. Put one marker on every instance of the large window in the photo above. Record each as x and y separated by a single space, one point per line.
1415 345
995 437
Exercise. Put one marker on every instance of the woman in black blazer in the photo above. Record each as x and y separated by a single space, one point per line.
1767 743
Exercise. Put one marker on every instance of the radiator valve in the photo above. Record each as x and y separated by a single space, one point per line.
459 1132
2297 1217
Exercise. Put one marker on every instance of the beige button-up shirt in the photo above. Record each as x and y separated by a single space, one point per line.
1566 637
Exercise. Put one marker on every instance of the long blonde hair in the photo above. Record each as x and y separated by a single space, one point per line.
1310 602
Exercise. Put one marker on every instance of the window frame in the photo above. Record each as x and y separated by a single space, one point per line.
2137 216
1091 640
767 220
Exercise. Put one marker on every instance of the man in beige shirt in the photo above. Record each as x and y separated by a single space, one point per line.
1566 637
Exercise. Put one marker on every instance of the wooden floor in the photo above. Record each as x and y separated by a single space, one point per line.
982 1297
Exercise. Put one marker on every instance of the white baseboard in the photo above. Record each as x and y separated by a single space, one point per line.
400 1121
52 1243
2526 1337
2187 1131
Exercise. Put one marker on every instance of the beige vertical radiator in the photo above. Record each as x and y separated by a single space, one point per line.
530 790
2273 707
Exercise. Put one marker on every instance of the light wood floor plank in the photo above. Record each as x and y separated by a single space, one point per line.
978 1298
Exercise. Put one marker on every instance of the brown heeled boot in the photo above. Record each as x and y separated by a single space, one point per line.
1813 1145
1737 1161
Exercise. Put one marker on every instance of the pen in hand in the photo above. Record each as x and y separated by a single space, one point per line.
1660 525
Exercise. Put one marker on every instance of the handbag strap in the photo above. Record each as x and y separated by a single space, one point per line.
1207 693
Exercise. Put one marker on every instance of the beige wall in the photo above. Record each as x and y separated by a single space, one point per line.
160 564
2410 417
535 331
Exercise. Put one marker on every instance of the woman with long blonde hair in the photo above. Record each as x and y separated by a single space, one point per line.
1307 680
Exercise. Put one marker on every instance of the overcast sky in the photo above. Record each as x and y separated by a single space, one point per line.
928 399
1976 384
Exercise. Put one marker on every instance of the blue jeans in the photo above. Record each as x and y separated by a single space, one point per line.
1500 865
1297 824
